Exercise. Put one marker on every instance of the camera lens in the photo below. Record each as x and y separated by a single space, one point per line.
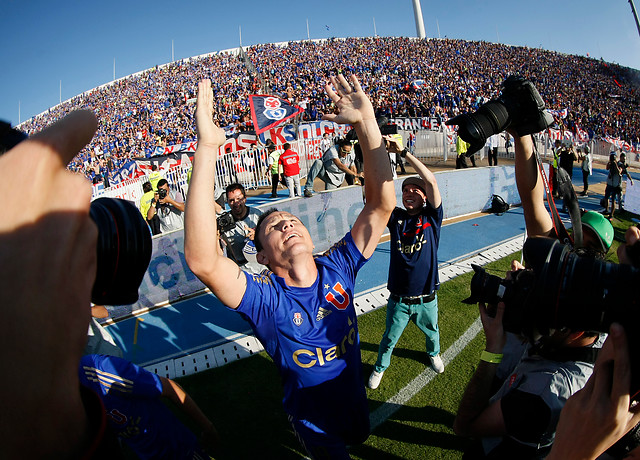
124 251
475 128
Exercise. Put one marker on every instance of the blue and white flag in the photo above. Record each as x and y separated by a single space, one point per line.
270 111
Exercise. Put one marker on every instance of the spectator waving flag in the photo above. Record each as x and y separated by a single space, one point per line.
270 111
581 134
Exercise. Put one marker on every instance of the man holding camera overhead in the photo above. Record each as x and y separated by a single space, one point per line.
168 208
516 417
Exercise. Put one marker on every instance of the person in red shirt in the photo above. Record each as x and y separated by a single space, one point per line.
290 162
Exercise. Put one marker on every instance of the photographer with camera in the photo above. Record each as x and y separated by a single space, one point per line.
45 310
337 162
168 208
518 421
237 226
613 190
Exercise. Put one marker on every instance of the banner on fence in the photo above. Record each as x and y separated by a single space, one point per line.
417 123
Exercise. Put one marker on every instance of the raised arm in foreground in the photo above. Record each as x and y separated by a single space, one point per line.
355 108
217 272
531 188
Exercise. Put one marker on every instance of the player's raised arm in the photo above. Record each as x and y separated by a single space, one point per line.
354 107
219 273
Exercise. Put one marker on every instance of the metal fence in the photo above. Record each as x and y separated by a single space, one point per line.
250 168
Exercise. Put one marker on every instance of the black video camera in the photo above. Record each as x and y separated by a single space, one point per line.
563 289
162 193
519 106
124 251
225 222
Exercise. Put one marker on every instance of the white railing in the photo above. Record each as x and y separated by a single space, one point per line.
251 168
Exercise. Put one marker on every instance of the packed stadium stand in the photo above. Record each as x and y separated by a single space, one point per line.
405 77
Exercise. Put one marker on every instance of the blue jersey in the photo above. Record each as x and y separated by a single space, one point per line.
413 265
312 336
135 413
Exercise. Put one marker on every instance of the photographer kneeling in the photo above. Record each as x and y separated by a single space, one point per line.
519 419
237 227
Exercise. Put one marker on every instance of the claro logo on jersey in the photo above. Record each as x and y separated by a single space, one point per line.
309 358
411 248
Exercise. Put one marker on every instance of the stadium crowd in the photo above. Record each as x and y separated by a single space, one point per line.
405 77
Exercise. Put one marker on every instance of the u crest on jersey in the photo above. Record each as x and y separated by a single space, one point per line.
340 299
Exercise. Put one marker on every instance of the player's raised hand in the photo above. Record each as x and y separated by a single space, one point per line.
352 103
209 135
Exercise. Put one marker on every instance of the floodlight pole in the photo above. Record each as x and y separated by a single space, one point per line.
635 15
417 13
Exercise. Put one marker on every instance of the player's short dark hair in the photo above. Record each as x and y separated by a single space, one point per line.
162 182
146 187
286 146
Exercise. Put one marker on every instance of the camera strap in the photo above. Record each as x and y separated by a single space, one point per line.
560 230
565 188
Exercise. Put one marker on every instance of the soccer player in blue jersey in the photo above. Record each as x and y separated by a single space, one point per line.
136 414
302 311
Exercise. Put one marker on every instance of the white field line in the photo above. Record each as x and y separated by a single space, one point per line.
382 413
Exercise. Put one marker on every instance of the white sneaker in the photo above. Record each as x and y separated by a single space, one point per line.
374 380
436 364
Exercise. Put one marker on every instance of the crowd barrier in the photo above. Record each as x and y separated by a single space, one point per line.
433 142
327 216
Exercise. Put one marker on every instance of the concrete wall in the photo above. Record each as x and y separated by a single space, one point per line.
328 216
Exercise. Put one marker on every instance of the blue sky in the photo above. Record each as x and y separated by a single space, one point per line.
75 42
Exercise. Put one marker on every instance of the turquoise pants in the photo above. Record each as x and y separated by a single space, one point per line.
424 315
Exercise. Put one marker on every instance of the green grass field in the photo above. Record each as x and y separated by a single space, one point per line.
243 399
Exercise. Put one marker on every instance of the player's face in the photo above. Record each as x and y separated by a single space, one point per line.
413 198
283 235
